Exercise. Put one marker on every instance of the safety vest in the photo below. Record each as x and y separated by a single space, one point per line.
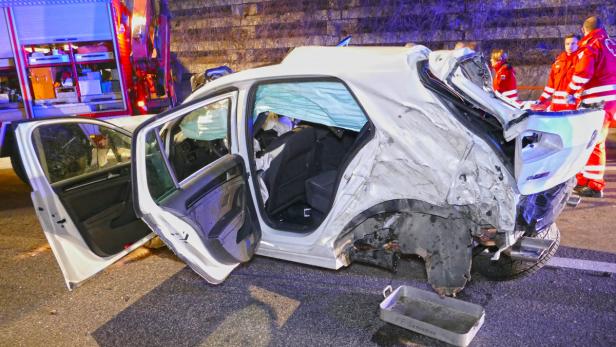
504 81
555 90
594 76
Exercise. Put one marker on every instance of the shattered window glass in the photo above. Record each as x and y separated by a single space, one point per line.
73 149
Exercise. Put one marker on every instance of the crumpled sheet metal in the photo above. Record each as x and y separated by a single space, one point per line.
417 153
444 243
421 156
427 155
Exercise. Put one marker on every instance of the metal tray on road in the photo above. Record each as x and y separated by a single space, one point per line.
447 319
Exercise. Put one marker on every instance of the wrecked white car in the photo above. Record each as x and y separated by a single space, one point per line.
336 155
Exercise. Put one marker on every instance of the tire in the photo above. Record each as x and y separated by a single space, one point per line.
506 269
19 169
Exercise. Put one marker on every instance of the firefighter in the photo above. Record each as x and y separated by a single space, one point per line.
504 77
554 94
594 82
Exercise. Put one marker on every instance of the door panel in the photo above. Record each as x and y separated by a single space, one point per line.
79 170
108 222
216 204
191 191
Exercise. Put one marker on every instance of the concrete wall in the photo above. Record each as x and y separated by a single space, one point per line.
244 34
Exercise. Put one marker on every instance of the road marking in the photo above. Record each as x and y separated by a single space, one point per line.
581 264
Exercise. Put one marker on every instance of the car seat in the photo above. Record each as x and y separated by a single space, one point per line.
286 176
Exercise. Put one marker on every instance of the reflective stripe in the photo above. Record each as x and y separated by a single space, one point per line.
546 95
594 167
592 176
574 87
559 101
578 79
561 93
510 92
600 99
549 90
600 89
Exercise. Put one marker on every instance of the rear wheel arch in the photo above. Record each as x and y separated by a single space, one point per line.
441 235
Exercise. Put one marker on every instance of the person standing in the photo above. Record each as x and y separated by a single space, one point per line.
594 82
504 80
554 94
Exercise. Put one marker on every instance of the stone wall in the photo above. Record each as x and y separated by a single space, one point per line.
244 34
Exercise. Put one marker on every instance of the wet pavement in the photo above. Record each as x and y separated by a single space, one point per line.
152 298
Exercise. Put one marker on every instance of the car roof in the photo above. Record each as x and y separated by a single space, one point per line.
346 63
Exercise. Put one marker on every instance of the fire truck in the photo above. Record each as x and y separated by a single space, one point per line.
94 58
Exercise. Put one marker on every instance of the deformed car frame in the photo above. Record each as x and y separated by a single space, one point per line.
386 151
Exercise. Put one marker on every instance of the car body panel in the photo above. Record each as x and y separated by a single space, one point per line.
75 258
564 139
385 82
187 218
383 168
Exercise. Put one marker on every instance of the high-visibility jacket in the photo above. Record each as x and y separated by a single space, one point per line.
594 81
555 91
504 81
594 76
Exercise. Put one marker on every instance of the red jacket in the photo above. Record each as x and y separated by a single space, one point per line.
504 81
559 78
594 77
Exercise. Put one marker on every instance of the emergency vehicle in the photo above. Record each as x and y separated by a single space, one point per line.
94 58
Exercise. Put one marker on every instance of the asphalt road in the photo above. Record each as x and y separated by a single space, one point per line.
151 298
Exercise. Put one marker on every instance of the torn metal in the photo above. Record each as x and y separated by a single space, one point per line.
441 236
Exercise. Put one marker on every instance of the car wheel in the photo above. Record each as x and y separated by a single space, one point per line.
19 169
506 269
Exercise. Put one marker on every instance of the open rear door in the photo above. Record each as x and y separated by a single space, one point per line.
191 188
79 170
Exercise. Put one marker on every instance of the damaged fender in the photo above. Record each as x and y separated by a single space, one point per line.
442 236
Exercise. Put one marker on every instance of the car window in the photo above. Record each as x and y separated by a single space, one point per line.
181 147
322 102
70 150
198 138
160 182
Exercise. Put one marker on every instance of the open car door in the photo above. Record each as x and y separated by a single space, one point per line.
191 187
79 171
550 147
